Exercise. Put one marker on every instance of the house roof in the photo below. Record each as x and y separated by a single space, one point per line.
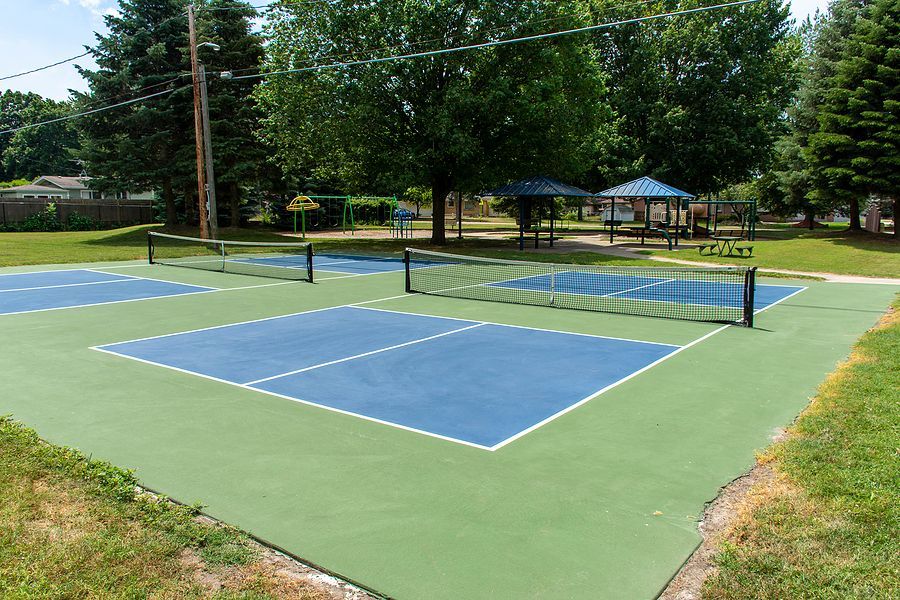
644 187
537 186
30 187
66 183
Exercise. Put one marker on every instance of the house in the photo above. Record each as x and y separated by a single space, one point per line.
56 187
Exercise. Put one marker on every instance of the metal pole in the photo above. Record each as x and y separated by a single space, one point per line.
459 214
521 222
207 146
198 126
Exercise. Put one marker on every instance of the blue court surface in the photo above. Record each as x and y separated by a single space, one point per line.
353 264
47 290
653 289
466 381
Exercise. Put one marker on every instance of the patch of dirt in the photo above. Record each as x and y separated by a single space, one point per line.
272 573
718 520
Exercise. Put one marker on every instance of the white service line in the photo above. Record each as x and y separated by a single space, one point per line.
592 335
64 285
640 287
22 312
768 306
298 400
370 353
606 389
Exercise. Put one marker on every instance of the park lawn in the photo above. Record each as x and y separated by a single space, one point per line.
130 243
826 525
72 527
839 252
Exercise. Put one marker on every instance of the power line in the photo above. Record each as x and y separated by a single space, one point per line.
586 13
62 62
90 112
528 38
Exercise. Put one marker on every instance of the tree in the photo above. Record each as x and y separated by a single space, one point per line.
418 196
44 150
700 98
857 146
239 155
140 145
458 120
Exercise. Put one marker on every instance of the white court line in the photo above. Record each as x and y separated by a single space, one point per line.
53 271
572 407
370 353
298 400
602 337
64 285
22 312
294 314
640 287
768 306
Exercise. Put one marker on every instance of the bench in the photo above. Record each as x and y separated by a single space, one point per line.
742 249
708 247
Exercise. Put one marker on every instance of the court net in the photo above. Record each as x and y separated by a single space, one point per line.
700 294
263 259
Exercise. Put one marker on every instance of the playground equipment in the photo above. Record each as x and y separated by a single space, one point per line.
401 223
343 211
302 205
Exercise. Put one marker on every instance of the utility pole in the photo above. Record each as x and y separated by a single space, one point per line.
207 147
198 127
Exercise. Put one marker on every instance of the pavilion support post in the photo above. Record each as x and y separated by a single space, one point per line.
552 217
612 220
677 219
521 223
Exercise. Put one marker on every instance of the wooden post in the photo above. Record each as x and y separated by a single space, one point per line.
198 126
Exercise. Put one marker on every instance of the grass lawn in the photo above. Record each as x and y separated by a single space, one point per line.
826 527
829 251
130 243
71 527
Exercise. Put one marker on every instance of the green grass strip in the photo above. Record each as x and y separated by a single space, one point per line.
826 526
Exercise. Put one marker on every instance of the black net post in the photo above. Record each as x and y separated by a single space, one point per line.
309 262
749 293
149 248
406 263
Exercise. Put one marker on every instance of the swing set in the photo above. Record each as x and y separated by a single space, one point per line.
331 212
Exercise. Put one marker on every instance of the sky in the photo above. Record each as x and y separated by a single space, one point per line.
40 32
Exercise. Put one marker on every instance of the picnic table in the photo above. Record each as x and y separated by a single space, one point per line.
726 245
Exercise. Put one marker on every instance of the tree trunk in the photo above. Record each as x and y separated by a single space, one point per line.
896 218
234 199
854 215
581 212
811 219
440 187
169 197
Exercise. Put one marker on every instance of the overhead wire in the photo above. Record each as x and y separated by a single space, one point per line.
528 38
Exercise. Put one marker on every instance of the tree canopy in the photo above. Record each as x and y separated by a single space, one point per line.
446 121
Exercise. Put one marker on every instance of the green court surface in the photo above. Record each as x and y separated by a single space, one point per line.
601 502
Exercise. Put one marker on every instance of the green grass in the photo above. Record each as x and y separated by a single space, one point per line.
827 527
830 251
130 243
72 527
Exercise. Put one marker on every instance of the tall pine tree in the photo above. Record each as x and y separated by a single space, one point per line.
137 146
857 147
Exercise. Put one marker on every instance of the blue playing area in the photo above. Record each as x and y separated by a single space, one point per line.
47 290
465 381
681 291
332 263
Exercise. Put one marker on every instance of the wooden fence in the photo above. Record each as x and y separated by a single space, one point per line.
108 210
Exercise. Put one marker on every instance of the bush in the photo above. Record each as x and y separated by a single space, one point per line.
46 220
79 222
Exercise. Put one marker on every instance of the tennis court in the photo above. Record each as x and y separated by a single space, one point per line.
430 445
